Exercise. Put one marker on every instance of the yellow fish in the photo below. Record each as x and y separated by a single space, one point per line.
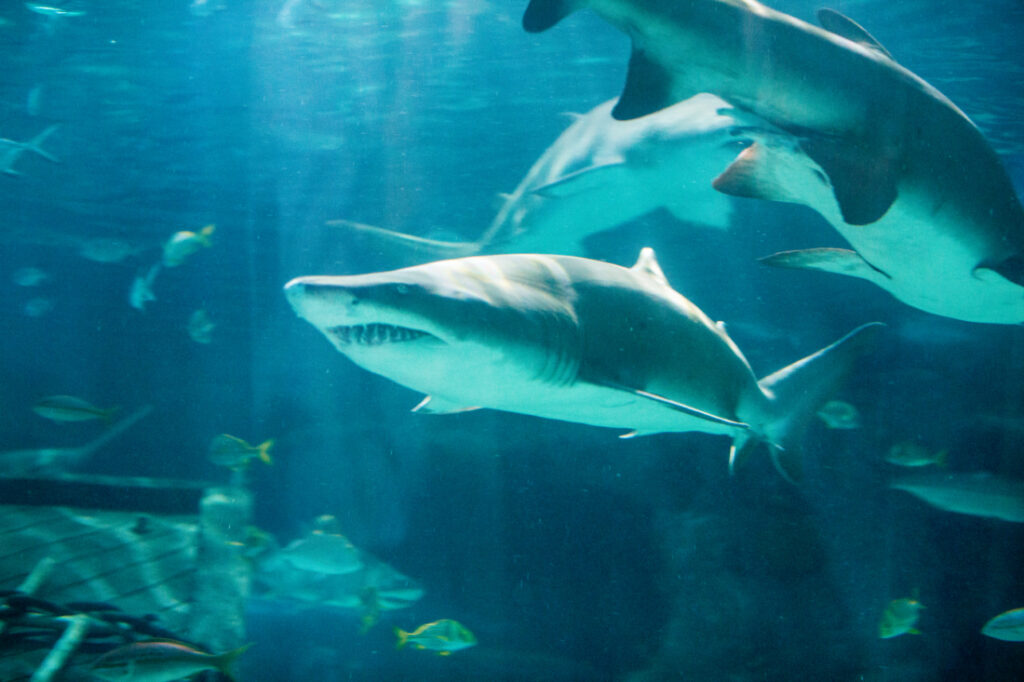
900 618
161 662
183 244
235 453
443 636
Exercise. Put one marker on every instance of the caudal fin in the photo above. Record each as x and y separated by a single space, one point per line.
225 662
800 389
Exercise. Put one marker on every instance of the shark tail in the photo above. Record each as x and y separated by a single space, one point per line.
796 392
34 145
416 245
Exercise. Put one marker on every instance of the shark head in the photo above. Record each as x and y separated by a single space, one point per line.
454 329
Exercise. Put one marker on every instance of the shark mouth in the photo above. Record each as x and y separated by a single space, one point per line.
374 334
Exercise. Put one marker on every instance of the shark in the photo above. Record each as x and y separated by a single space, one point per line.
600 173
887 159
11 150
570 339
35 461
977 493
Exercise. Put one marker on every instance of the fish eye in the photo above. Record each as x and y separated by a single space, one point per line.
402 288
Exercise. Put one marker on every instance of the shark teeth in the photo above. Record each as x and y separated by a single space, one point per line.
374 334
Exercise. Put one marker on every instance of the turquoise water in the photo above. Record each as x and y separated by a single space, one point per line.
570 554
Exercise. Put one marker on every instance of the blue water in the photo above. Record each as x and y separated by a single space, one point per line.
569 553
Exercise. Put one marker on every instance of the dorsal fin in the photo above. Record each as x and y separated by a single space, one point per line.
845 27
647 264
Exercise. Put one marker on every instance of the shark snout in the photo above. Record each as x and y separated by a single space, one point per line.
320 300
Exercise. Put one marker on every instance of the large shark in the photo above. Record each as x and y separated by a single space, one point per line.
572 339
601 173
895 166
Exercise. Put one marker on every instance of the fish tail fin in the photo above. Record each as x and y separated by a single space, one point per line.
403 638
33 145
263 451
798 390
205 234
225 662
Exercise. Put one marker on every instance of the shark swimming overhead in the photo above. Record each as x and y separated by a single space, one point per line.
888 160
601 173
572 339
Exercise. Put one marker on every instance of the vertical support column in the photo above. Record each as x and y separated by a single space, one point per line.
223 574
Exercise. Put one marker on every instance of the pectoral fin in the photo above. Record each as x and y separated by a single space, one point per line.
541 15
433 405
586 180
864 182
1011 269
648 89
839 261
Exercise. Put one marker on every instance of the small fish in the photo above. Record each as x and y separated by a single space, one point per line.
255 544
443 636
911 454
35 95
37 307
978 494
320 552
899 618
839 415
200 326
161 662
235 453
1008 626
142 288
183 244
106 249
29 277
68 408
51 11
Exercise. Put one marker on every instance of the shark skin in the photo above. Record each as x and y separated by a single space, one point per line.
571 339
601 173
896 167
